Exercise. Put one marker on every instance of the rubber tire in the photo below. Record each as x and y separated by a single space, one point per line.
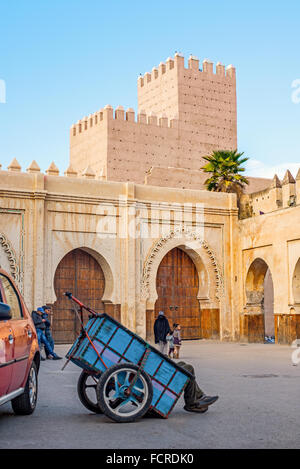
100 392
82 395
21 405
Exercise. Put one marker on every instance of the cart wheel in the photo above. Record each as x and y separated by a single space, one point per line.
114 401
86 388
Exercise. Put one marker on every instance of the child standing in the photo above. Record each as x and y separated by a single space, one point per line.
176 339
170 340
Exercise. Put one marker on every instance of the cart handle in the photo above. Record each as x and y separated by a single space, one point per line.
83 330
71 297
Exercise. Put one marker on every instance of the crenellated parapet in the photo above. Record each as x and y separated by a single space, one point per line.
120 115
279 195
34 169
178 63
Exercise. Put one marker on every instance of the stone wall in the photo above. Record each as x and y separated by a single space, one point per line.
128 228
276 195
271 241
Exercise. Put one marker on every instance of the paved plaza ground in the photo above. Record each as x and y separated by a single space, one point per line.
259 407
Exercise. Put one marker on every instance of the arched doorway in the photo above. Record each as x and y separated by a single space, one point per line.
268 305
296 284
79 273
258 320
177 286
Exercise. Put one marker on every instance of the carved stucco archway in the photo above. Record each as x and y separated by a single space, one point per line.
12 260
211 285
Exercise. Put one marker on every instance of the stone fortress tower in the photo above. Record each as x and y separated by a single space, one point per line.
183 114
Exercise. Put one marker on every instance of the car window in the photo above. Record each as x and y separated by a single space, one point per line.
11 298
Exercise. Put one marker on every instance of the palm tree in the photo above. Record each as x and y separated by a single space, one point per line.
225 167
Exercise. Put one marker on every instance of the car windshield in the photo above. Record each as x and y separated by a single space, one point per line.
11 297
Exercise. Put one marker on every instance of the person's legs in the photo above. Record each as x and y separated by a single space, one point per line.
194 397
192 392
177 348
41 345
49 338
39 333
162 347
48 348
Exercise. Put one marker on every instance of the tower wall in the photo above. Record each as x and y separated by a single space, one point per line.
183 114
158 90
204 101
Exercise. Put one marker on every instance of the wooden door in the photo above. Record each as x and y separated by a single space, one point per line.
79 273
177 285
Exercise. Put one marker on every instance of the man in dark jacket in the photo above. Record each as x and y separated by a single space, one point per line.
40 326
161 330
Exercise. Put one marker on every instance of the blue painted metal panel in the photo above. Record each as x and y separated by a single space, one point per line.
116 344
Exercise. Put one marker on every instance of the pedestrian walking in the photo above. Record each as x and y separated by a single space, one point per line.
161 330
176 339
40 326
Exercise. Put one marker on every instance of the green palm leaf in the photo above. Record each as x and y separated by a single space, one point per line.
225 167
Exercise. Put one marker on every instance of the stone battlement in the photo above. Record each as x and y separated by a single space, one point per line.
279 195
52 170
193 64
89 187
119 114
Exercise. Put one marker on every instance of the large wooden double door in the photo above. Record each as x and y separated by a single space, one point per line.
79 273
177 286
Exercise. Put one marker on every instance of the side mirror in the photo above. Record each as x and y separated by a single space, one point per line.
4 312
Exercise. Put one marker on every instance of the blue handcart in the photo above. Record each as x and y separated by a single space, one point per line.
123 376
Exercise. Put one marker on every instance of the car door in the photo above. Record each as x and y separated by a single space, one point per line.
21 334
6 356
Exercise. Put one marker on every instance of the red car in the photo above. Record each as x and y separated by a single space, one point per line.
19 350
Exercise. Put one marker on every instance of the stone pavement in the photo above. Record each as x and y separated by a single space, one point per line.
258 407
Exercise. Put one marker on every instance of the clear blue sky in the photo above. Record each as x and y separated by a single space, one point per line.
63 59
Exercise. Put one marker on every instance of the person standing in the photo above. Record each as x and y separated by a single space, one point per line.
39 323
161 330
176 340
170 340
47 315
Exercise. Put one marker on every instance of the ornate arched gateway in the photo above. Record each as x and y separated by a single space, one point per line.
177 288
182 270
79 273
